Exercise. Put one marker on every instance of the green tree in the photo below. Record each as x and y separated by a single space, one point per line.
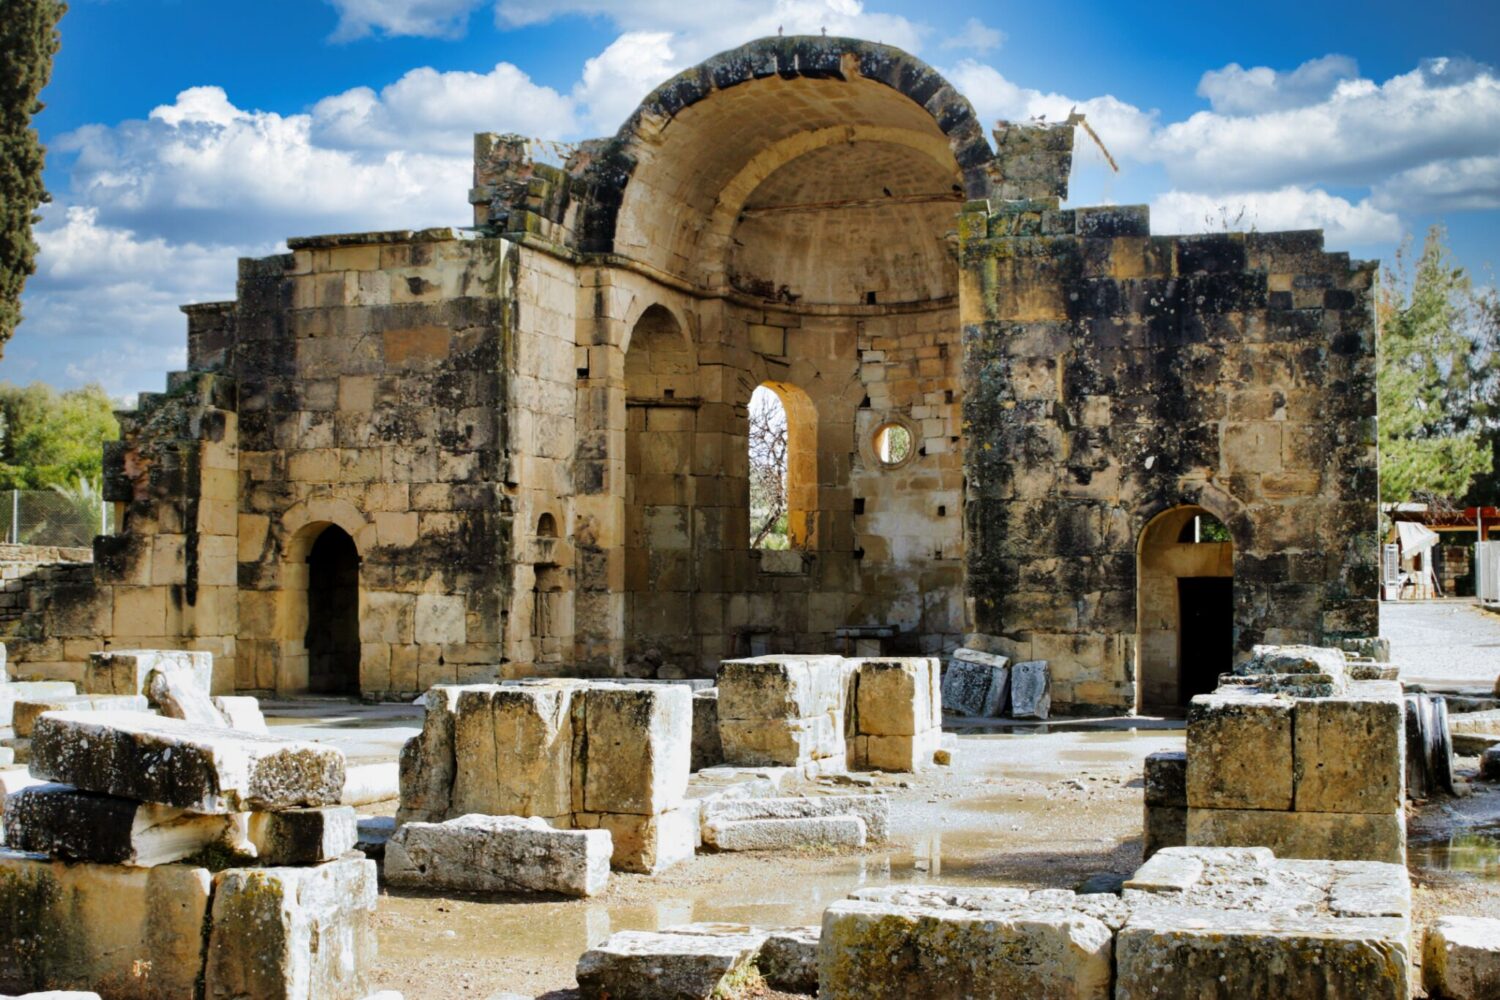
28 41
51 438
1433 376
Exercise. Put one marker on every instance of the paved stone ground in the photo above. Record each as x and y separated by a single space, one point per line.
1443 642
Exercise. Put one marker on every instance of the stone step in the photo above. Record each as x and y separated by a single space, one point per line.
874 810
499 854
153 759
62 822
783 834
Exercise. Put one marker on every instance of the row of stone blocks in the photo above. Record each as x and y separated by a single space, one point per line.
612 758
1191 924
1319 775
827 714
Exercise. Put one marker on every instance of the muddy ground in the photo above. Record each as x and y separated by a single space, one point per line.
1036 810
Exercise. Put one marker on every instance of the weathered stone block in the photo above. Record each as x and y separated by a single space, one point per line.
1268 659
62 822
668 965
129 933
896 753
1461 958
13 692
637 748
783 743
303 836
898 697
1031 690
1310 835
139 756
174 692
778 687
427 761
878 949
26 711
1350 751
647 844
708 748
293 933
789 959
1185 953
976 684
242 712
124 671
1239 752
873 810
367 783
1165 826
783 834
513 750
499 854
1166 779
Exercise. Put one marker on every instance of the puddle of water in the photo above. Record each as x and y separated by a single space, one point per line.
1083 732
1475 850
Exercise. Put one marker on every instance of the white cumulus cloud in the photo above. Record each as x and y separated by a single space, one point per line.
423 18
976 36
1343 221
1235 90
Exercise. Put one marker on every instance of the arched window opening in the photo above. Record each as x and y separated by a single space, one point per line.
332 637
1201 528
546 526
768 471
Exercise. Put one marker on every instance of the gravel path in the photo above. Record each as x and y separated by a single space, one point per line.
1443 642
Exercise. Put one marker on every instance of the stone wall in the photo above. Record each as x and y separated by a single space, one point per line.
1111 375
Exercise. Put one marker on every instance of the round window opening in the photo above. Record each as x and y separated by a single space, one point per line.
892 445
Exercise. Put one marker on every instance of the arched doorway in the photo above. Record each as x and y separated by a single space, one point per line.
332 637
1184 608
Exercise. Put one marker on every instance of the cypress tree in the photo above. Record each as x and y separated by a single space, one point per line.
28 41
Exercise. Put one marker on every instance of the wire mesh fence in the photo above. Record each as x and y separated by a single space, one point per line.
49 517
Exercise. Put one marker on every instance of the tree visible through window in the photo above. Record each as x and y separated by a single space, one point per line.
768 468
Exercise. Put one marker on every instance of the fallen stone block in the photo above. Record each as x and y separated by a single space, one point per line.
739 782
499 854
1294 660
668 965
873 810
1373 671
782 687
708 748
513 750
1239 752
1185 953
1290 685
1166 779
302 836
124 671
292 933
1349 753
243 713
789 959
26 711
16 691
1461 958
647 844
427 761
128 933
1310 835
784 834
367 783
1031 690
896 753
1369 647
62 822
957 943
174 691
783 743
637 748
1474 744
976 684
134 755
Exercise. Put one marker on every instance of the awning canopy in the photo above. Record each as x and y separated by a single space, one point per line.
1415 538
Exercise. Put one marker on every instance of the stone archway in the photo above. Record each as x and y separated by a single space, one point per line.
332 634
1184 606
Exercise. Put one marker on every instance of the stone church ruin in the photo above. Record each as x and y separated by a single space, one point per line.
399 459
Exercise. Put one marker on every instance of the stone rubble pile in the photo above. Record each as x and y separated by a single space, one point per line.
607 757
1289 754
101 888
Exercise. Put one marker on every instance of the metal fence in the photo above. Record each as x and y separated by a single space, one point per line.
47 517
1487 572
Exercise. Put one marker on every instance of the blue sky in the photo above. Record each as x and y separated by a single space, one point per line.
184 134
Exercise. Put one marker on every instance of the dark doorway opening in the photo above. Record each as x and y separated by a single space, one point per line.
333 614
1205 607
